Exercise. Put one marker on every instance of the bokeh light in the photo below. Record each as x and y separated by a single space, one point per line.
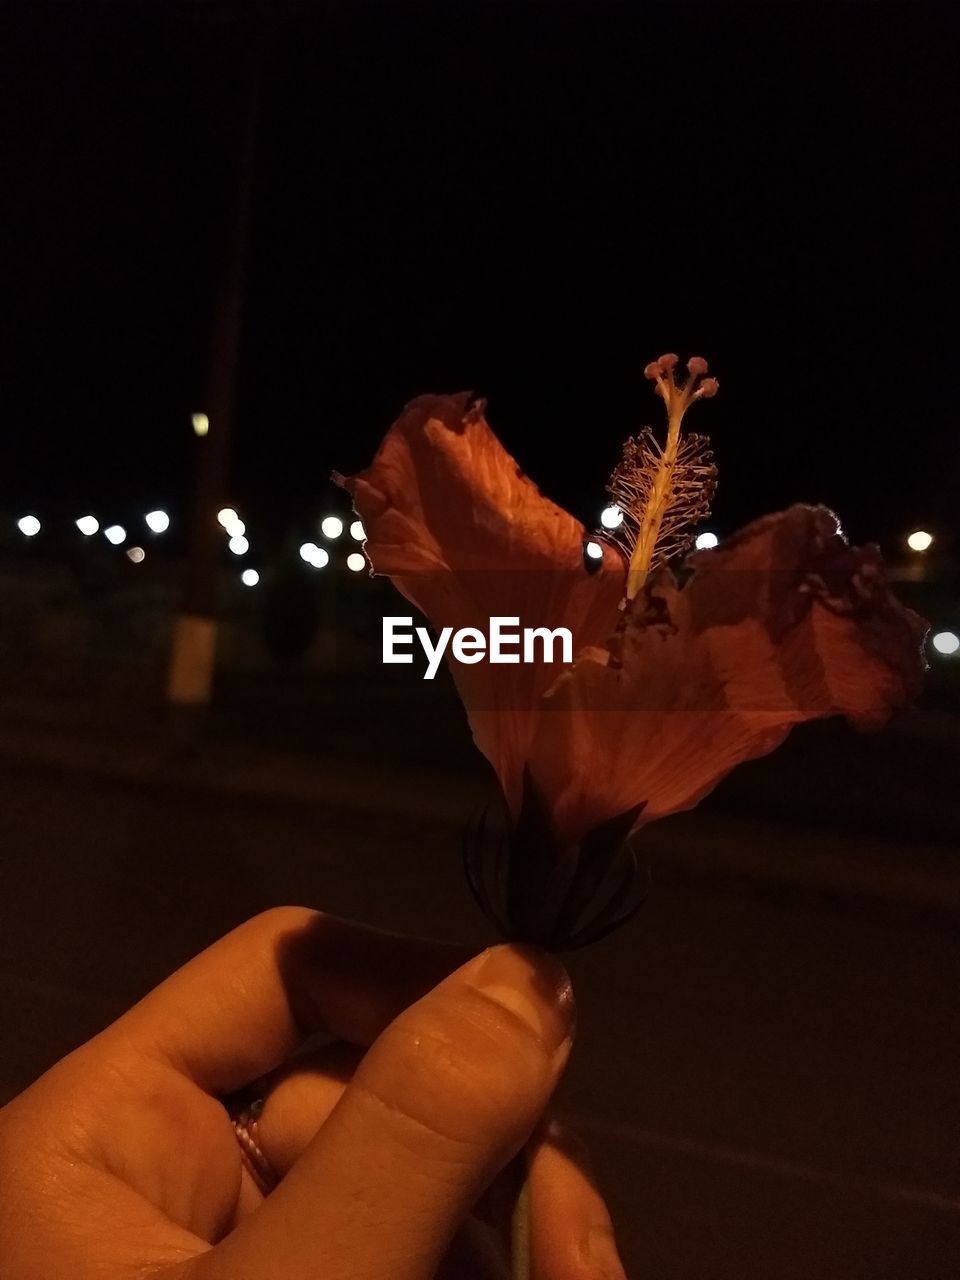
314 555
137 555
157 521
115 534
946 642
594 551
239 545
227 516
920 540
200 423
29 526
331 526
356 561
357 531
88 525
706 541
249 577
611 517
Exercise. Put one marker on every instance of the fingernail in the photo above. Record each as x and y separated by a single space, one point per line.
532 984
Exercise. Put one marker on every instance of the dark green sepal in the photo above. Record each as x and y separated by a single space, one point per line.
534 889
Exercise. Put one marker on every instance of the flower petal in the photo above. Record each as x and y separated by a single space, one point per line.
453 521
781 624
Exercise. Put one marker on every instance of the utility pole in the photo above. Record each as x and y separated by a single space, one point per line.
194 648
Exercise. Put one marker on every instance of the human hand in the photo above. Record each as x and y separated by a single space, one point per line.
122 1163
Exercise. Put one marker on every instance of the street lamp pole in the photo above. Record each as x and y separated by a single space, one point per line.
194 646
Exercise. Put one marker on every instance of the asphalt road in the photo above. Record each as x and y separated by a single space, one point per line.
768 1077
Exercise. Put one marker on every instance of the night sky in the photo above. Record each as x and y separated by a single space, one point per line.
529 200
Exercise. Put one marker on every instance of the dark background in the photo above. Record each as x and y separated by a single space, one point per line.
529 200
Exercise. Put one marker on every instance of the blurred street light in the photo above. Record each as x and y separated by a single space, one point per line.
157 521
249 577
200 423
115 534
920 540
331 526
706 541
29 526
314 555
946 642
137 555
611 517
356 561
239 545
88 525
357 531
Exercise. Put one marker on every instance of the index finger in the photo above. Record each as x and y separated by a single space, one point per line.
245 1004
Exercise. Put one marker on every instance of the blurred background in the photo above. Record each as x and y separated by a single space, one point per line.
237 240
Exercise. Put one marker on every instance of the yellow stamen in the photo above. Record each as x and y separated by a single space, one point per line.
664 490
661 489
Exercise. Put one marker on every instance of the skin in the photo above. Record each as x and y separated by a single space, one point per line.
406 1076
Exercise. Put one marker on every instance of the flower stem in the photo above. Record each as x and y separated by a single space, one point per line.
520 1265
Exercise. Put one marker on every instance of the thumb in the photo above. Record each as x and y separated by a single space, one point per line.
444 1098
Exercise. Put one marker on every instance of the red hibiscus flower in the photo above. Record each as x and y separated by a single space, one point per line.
675 679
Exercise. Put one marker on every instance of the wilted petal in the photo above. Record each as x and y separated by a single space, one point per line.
465 536
783 623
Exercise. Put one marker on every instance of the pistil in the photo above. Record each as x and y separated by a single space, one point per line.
664 490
